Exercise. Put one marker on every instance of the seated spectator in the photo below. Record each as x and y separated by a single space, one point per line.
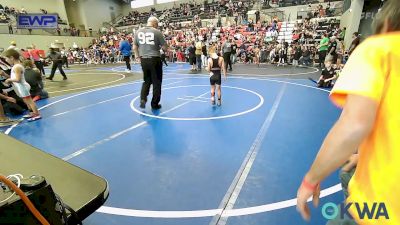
10 102
34 79
297 55
305 58
3 18
4 121
327 76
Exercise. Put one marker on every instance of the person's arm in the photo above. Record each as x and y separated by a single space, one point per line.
136 51
352 47
3 96
209 65
332 78
18 74
341 142
7 98
4 74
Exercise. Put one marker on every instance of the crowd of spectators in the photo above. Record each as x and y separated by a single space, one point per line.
256 42
4 18
195 11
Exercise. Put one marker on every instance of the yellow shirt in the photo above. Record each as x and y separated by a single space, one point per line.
199 48
373 71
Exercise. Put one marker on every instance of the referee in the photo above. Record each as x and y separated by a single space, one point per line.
147 44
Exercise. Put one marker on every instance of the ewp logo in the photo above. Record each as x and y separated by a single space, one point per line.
331 211
37 21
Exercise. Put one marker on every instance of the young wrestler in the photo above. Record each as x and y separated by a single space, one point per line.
215 65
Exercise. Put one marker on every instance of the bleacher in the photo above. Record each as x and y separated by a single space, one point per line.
177 15
288 3
286 32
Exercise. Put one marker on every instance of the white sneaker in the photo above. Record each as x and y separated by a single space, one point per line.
213 100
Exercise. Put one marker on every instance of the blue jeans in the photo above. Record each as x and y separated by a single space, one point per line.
198 62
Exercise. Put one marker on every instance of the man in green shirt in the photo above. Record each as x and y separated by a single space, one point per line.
323 49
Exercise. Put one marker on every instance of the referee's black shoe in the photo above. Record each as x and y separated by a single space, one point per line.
142 104
156 107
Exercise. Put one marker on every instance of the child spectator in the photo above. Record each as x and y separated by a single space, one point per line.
34 79
327 76
21 87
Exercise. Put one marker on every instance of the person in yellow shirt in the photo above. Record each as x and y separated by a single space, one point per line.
369 92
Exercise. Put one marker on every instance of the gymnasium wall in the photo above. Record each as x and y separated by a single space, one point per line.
42 42
351 20
161 6
92 13
34 6
292 11
371 8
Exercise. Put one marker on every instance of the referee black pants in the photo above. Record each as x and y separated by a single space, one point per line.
54 68
152 75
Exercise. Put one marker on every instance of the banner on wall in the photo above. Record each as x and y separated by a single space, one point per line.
37 21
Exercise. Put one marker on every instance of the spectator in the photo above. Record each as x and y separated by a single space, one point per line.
11 102
10 28
342 34
233 52
4 121
226 53
305 58
192 56
323 49
327 76
21 87
204 55
35 56
297 55
198 53
332 50
34 79
355 42
126 50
